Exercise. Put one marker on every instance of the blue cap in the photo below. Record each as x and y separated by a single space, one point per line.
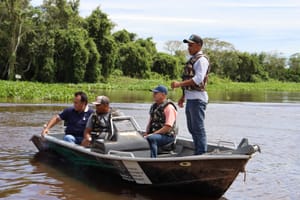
161 89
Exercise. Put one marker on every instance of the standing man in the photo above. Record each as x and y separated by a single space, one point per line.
193 84
75 118
161 128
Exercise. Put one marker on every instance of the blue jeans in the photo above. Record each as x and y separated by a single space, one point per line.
156 140
195 115
73 139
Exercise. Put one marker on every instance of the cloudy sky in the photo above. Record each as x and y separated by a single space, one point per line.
250 25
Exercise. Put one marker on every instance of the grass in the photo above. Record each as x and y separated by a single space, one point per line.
216 83
23 90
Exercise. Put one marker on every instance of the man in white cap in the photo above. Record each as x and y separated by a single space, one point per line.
99 123
193 84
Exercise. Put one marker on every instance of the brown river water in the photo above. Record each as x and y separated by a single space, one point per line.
273 174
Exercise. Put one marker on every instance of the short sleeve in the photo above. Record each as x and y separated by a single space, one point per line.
64 114
89 122
170 114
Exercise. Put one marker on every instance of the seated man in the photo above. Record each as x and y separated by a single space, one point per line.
162 123
99 123
75 118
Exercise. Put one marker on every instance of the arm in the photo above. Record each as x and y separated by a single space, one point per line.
165 129
87 132
50 124
200 67
176 84
86 137
147 128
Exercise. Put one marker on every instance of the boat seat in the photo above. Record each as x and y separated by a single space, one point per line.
167 148
96 135
130 142
126 136
170 147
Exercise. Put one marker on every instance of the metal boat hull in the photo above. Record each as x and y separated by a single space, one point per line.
208 175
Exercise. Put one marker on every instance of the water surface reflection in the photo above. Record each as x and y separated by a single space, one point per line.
273 174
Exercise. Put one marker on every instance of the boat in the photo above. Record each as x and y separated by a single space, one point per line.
125 153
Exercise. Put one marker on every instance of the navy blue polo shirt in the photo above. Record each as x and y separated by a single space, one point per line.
75 121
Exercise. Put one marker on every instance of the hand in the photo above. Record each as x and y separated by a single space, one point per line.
145 134
45 131
175 84
86 142
180 102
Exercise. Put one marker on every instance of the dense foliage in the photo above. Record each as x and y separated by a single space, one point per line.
52 43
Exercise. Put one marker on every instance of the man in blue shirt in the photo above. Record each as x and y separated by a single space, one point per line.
75 118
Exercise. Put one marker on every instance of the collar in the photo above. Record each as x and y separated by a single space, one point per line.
198 53
86 108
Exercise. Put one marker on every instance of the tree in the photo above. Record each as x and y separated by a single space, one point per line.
44 66
61 14
93 67
123 36
229 60
165 64
14 15
37 50
148 44
99 28
294 62
249 69
71 44
213 44
108 54
174 46
222 56
293 72
133 60
274 64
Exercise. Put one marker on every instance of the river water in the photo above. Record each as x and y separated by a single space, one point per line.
273 174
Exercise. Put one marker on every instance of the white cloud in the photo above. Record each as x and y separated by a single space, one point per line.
250 25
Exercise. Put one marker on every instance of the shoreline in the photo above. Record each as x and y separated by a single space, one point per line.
63 92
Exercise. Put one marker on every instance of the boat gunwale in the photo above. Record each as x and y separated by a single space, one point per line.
143 159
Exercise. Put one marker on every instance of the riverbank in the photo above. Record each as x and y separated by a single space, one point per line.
23 90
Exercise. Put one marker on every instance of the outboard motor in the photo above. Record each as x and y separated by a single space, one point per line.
246 149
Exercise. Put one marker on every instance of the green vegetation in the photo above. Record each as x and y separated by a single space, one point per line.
216 83
63 92
52 43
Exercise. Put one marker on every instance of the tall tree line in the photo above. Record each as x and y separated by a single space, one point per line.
53 43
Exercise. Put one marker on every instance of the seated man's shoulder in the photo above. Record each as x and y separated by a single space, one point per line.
69 109
171 105
90 111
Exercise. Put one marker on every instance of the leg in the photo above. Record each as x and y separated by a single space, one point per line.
156 140
195 114
78 140
70 138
